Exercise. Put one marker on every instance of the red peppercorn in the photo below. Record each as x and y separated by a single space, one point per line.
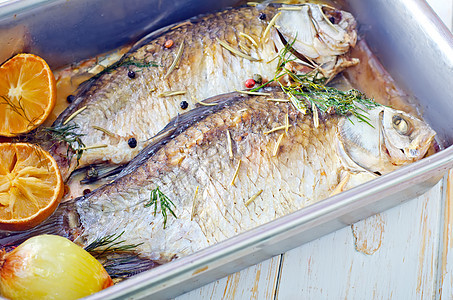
168 44
249 83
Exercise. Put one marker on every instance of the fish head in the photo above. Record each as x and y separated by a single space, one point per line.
390 139
406 138
318 34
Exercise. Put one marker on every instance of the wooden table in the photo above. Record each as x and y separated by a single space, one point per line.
403 253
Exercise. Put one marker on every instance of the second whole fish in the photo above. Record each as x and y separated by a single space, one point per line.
117 112
231 167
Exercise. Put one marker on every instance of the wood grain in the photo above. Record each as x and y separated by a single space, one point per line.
403 267
446 257
256 282
394 256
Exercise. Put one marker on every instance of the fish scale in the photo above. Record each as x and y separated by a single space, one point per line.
134 107
220 210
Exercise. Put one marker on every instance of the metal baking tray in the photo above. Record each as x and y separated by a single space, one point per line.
408 38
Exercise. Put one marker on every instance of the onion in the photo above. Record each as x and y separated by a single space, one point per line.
50 267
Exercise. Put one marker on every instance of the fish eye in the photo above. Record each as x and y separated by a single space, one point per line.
333 15
401 125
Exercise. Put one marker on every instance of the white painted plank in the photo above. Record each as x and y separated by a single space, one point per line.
404 265
256 282
445 281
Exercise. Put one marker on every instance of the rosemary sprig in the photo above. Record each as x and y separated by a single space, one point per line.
74 114
247 203
171 93
109 244
165 204
248 37
235 51
271 23
68 133
175 62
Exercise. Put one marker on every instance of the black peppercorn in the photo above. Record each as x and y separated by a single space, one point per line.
131 74
132 142
86 191
262 16
70 98
184 104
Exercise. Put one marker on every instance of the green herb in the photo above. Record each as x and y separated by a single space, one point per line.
137 63
117 258
67 133
127 62
18 109
327 99
109 244
165 203
310 89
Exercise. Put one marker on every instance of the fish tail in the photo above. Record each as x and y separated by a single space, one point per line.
58 224
128 265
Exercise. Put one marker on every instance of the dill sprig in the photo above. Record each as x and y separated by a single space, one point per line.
127 62
138 63
19 109
310 89
329 99
165 204
108 245
68 133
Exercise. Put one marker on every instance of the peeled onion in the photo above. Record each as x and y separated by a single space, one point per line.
50 267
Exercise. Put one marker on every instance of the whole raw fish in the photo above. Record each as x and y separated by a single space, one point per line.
118 111
228 168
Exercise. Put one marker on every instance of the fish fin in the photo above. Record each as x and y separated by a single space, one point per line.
104 171
57 224
153 35
350 180
341 185
128 265
191 21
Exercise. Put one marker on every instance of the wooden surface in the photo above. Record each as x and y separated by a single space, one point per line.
403 253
